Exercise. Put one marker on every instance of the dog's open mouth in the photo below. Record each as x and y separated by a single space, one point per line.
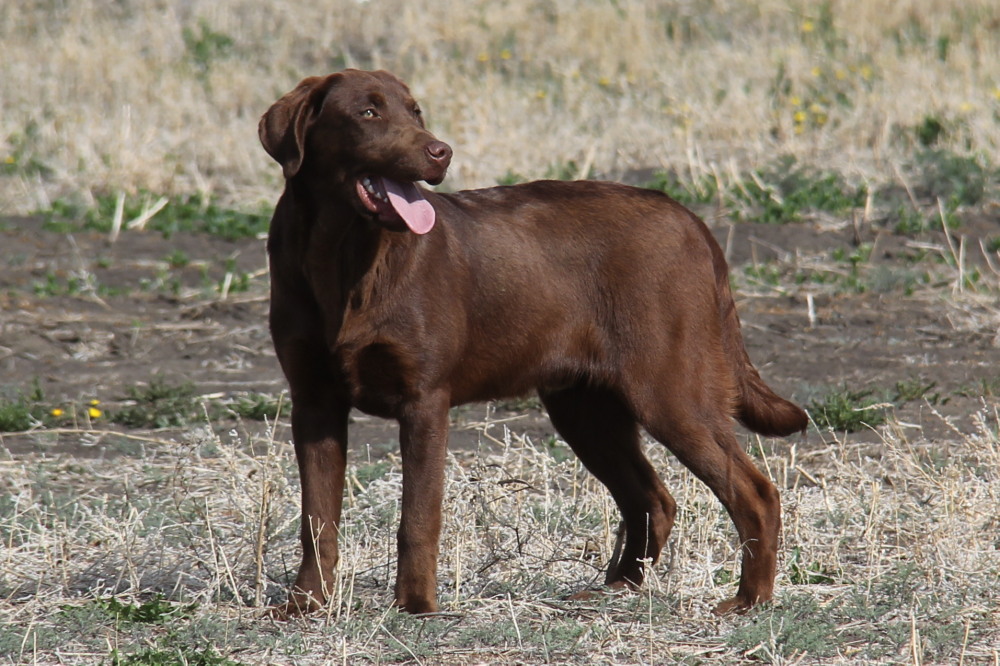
392 200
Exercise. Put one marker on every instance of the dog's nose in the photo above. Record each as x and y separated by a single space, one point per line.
439 151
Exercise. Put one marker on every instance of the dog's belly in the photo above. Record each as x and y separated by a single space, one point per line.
383 378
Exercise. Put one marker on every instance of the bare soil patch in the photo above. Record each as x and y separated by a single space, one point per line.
87 319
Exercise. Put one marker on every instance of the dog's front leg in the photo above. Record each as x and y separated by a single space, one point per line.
319 429
423 436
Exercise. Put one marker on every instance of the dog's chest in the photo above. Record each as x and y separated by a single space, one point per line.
381 373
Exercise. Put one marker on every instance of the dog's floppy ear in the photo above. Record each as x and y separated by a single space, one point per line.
283 127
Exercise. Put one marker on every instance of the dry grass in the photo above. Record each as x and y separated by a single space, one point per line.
890 555
166 96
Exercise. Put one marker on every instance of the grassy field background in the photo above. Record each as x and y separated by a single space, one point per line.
166 96
846 154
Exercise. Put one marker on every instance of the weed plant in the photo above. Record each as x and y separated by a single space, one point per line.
22 412
782 192
161 404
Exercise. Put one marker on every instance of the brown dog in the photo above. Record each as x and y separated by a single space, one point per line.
611 302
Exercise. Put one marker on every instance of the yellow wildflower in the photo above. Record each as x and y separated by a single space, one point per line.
483 57
808 26
816 71
57 412
800 117
505 54
604 81
94 412
95 402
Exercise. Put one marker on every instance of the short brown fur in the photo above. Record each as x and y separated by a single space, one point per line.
612 302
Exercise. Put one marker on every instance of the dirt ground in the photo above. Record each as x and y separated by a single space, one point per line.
147 315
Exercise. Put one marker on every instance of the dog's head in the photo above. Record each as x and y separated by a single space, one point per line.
360 135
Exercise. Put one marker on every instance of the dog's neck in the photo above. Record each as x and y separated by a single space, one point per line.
333 233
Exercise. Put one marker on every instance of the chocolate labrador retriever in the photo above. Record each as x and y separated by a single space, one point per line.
611 302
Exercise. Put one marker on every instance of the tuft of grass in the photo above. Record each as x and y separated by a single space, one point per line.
847 410
259 407
171 657
568 170
154 611
813 573
954 178
793 627
702 191
206 46
177 259
910 390
987 387
511 178
782 192
161 404
930 131
16 415
23 411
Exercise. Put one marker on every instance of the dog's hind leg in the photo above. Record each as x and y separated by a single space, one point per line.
707 446
605 436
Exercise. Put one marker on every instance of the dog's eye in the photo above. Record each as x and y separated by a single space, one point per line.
417 111
369 113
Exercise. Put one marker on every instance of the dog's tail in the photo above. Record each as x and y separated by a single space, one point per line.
757 407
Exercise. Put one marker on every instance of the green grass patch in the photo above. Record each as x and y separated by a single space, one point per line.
568 170
801 572
205 46
847 410
843 409
155 611
701 191
160 404
260 407
781 193
172 648
23 410
795 627
170 657
983 387
511 178
954 178
190 213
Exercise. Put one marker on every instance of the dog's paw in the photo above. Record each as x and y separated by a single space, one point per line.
734 606
592 593
296 606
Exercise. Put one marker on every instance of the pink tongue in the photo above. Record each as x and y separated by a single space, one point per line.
410 204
